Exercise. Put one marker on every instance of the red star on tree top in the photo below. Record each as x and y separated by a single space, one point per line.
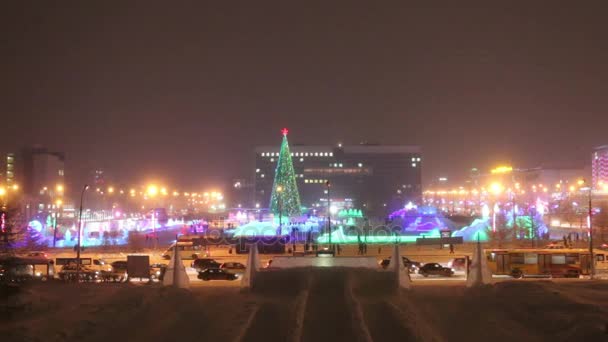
285 131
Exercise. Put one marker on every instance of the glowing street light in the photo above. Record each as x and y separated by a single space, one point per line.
496 188
59 188
2 191
110 190
152 190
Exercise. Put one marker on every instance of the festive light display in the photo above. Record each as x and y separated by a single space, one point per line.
347 213
286 201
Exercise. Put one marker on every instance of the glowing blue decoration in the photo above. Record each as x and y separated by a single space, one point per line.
35 225
67 236
485 211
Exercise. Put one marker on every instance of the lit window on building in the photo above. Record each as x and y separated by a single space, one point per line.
326 154
331 154
316 154
262 175
417 159
413 159
413 164
360 165
271 160
257 170
301 159
60 172
263 154
306 181
340 164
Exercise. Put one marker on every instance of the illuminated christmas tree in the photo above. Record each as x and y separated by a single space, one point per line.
287 198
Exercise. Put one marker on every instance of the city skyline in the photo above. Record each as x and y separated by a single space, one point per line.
187 101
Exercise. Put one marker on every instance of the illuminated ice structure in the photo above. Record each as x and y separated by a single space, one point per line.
93 231
420 221
529 227
407 225
270 228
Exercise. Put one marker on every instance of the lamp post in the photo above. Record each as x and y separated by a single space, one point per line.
57 205
84 188
591 234
280 207
590 218
152 191
328 185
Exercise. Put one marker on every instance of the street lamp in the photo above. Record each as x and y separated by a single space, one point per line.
589 187
328 185
58 203
84 188
279 204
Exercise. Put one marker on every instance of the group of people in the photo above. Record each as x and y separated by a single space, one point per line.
568 239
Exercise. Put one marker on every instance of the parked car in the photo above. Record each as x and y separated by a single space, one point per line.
409 264
119 269
68 272
37 255
458 264
433 268
233 267
102 265
204 263
157 271
216 274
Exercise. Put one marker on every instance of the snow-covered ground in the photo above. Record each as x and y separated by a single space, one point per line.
309 304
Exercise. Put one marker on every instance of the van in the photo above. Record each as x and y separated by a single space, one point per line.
186 250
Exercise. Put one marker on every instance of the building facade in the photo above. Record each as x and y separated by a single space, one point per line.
40 170
599 167
375 178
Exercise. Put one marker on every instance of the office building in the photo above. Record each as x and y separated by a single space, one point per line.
375 178
40 170
599 168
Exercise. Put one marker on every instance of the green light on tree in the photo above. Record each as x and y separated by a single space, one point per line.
285 178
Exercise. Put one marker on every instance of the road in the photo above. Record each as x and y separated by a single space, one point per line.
221 254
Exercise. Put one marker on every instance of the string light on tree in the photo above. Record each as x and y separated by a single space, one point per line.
285 180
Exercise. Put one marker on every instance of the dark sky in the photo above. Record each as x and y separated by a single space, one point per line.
184 92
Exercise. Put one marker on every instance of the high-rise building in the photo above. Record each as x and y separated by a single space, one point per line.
599 167
375 178
9 176
40 170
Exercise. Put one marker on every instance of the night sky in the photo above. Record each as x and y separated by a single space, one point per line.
183 93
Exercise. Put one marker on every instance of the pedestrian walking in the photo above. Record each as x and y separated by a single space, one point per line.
451 249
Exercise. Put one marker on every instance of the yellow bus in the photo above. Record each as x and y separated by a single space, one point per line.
520 263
